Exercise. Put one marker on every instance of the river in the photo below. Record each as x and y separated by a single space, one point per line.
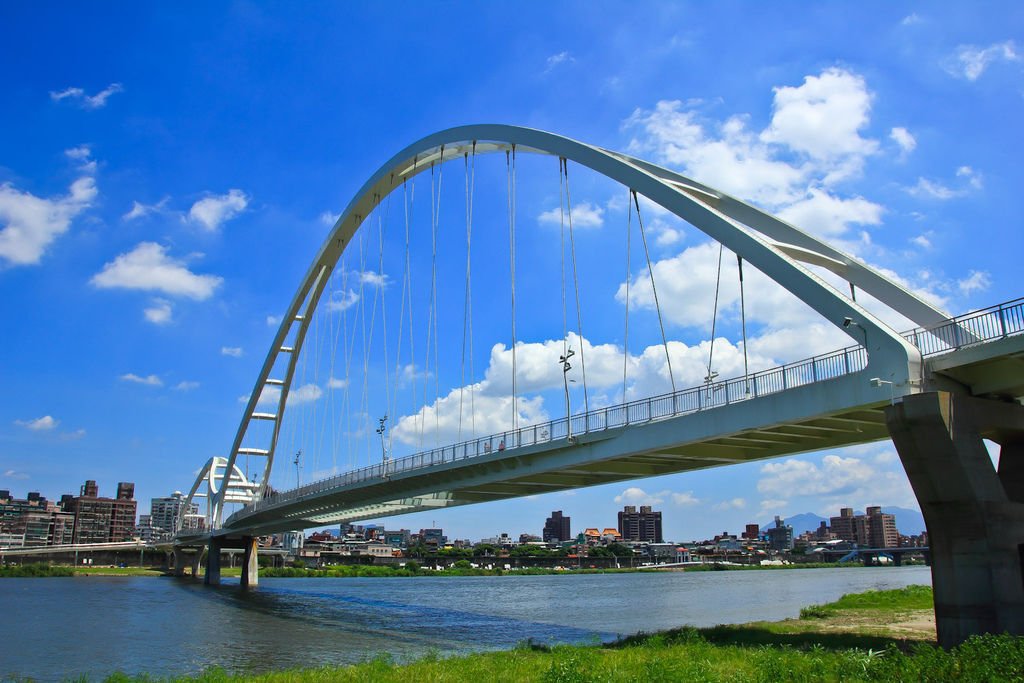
57 628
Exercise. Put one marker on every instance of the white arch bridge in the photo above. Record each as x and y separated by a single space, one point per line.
937 390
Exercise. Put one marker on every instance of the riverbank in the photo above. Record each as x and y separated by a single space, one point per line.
861 637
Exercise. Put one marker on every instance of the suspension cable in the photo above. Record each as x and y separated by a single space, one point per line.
743 324
714 318
393 409
654 290
629 277
467 311
381 228
510 169
576 288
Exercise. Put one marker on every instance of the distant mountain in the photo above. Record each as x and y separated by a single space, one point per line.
806 521
908 522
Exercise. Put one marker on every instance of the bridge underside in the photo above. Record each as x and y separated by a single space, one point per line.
639 452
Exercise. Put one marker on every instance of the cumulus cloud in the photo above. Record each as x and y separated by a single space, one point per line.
271 395
904 140
149 380
85 101
731 504
932 189
329 218
971 61
159 312
40 424
31 224
335 383
342 300
273 320
584 215
856 480
148 267
977 281
233 351
186 386
637 496
211 212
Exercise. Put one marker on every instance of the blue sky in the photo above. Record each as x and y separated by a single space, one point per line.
167 173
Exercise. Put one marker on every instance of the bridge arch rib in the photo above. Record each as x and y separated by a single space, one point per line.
772 246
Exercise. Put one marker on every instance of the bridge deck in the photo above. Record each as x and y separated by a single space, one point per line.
822 402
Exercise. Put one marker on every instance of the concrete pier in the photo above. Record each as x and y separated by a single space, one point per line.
250 562
212 577
974 513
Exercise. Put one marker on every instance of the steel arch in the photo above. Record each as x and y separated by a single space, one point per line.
772 246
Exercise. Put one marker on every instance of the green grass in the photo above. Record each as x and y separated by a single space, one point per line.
900 599
38 569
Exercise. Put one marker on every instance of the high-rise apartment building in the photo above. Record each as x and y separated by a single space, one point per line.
166 513
32 522
642 526
874 529
102 520
780 536
556 528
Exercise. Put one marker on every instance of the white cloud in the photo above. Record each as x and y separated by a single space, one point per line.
31 223
159 313
933 190
148 267
329 218
233 351
15 474
911 19
150 380
40 424
80 153
584 215
271 395
340 301
773 506
922 241
78 95
813 139
335 383
971 61
977 281
856 480
211 212
372 279
140 210
273 320
731 504
902 137
685 499
828 216
972 177
823 118
637 496
555 60
186 386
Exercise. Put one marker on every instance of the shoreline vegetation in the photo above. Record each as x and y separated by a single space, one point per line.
873 636
410 569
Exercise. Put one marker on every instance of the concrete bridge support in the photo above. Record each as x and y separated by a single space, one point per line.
197 562
178 560
212 577
250 563
974 513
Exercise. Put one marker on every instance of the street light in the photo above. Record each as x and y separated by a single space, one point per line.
383 451
566 366
878 381
298 459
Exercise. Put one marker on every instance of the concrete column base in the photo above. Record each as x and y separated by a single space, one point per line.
250 563
974 514
178 561
212 577
197 562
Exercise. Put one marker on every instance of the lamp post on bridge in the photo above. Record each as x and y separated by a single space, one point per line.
566 366
381 429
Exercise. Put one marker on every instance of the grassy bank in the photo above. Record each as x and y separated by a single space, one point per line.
804 649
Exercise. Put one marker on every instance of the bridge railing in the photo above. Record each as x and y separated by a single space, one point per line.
691 400
987 324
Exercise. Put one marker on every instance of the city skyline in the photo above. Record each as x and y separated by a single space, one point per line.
135 201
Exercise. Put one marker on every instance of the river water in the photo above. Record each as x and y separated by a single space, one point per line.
57 628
